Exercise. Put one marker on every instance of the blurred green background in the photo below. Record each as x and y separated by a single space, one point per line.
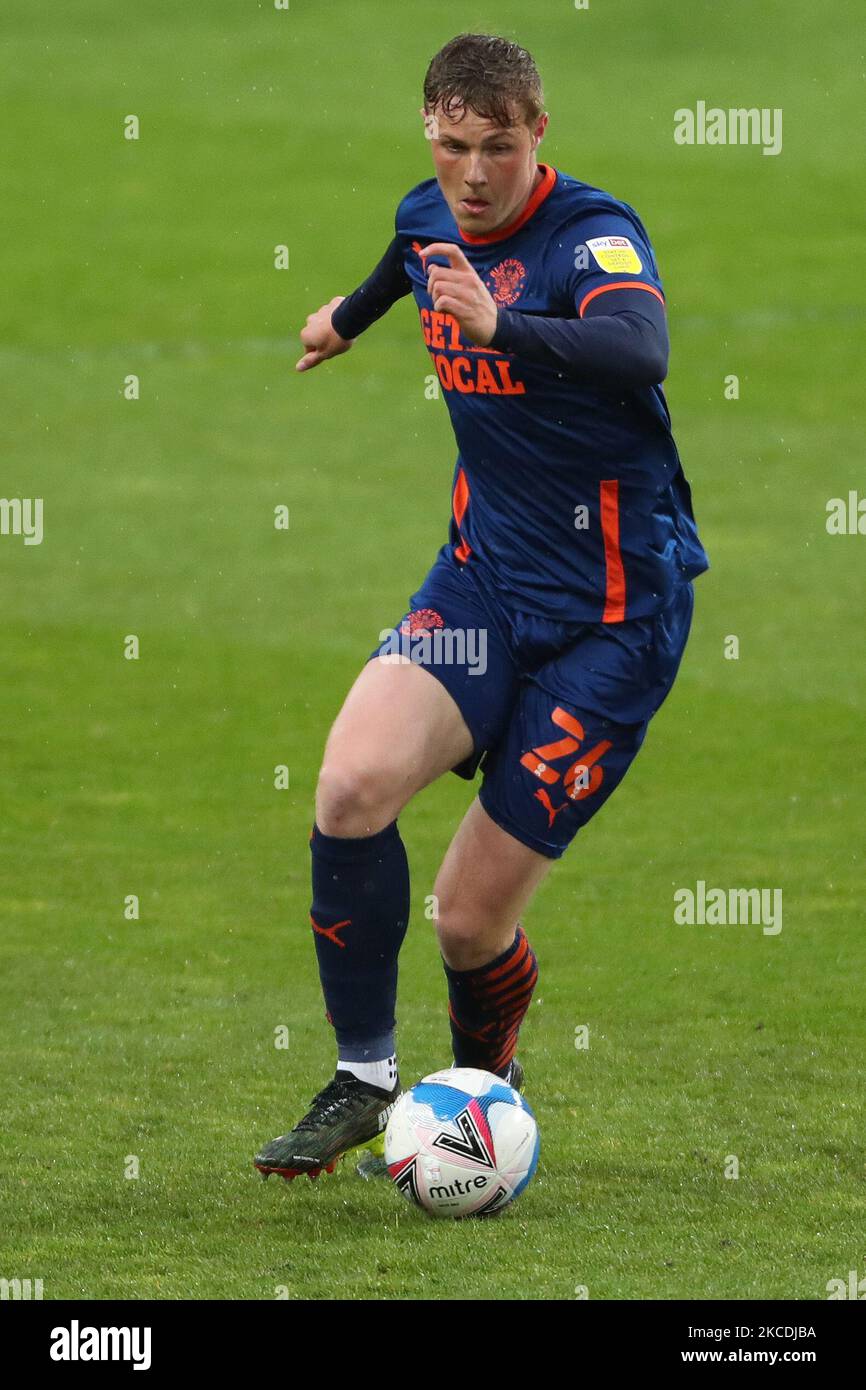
155 1037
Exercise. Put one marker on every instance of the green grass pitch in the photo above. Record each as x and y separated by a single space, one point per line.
153 1038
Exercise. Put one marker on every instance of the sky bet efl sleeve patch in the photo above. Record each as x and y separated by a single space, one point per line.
615 254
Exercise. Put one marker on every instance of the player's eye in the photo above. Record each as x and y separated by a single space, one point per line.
459 149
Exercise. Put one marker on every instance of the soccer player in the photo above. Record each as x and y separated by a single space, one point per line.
552 622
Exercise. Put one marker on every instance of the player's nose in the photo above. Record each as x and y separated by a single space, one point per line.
474 176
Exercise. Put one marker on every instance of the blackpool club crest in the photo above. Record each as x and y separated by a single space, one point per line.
506 281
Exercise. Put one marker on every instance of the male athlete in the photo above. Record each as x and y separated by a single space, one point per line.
571 549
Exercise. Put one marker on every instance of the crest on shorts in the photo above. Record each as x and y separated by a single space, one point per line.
507 280
421 623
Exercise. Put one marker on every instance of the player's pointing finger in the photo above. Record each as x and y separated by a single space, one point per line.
455 256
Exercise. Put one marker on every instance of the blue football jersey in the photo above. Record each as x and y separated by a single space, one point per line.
570 495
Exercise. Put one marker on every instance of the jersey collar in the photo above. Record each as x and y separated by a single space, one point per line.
537 197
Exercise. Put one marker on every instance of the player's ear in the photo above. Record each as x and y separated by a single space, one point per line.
540 128
431 125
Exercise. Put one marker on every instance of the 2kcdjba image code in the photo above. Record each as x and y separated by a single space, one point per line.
767 1354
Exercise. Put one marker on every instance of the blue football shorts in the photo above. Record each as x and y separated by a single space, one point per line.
557 710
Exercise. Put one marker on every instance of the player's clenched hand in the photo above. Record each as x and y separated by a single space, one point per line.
320 338
456 289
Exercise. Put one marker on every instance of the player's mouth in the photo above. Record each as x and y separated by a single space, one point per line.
474 206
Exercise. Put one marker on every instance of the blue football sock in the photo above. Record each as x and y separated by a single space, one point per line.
359 917
487 1005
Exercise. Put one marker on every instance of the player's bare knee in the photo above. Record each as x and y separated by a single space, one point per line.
463 937
354 798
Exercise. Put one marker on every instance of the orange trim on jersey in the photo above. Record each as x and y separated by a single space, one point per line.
619 285
614 604
459 503
536 198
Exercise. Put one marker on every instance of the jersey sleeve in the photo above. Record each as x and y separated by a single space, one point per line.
626 348
387 283
603 263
